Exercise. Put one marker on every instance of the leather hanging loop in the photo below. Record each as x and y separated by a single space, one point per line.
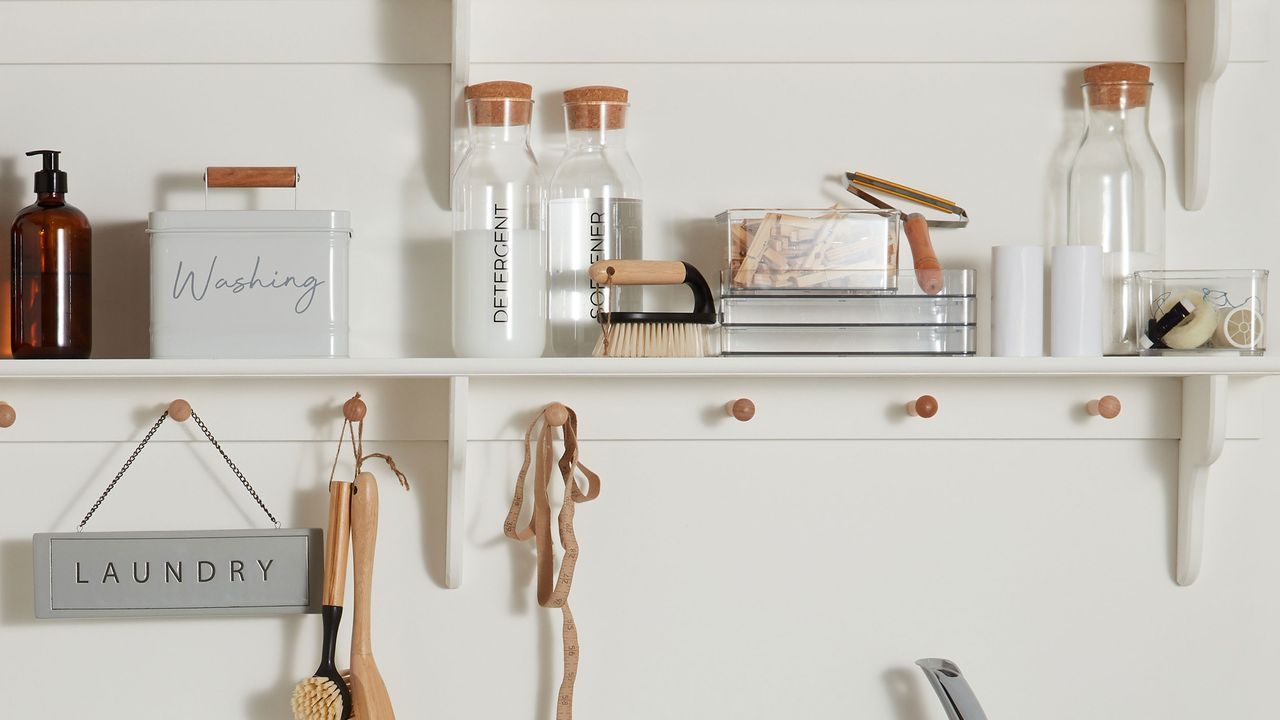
554 587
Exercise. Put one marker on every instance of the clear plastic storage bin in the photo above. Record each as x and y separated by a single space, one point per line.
954 304
848 340
1201 311
907 321
809 251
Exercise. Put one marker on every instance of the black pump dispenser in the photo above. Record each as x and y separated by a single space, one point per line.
50 179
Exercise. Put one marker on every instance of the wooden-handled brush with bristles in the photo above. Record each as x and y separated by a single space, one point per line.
326 696
655 334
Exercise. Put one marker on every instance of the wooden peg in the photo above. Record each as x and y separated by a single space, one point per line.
925 406
557 414
180 410
8 416
1108 406
354 409
741 409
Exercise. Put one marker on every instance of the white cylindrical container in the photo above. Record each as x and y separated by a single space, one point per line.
1075 308
1017 301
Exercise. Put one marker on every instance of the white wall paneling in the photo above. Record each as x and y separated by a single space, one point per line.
496 407
216 31
764 31
793 565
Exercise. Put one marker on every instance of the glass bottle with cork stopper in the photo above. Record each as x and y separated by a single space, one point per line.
594 213
499 257
1116 192
51 310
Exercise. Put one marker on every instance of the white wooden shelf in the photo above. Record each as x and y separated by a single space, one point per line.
803 397
654 367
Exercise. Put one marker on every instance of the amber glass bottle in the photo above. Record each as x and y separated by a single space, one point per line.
52 297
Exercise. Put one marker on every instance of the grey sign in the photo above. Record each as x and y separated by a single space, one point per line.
202 572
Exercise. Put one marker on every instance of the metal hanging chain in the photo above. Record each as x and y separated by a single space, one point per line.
243 480
120 474
147 438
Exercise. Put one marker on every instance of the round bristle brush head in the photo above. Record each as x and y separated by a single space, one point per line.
317 698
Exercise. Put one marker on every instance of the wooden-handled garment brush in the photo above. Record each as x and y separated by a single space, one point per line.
325 696
372 702
655 334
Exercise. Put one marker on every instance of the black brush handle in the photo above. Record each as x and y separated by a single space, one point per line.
331 616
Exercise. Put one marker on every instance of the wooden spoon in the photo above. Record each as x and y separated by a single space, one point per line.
368 691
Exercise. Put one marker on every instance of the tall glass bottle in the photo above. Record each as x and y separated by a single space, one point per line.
499 258
594 213
51 308
1115 192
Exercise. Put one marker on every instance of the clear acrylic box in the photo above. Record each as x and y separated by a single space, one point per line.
907 321
848 340
809 251
954 304
1182 312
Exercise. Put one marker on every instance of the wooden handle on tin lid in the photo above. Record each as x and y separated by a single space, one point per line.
925 406
8 416
1107 406
251 177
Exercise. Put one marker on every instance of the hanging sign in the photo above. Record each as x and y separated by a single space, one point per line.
203 572
212 572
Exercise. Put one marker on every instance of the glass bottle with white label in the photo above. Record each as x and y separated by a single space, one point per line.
499 258
594 213
1115 192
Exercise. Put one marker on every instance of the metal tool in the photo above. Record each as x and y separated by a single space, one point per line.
953 690
858 180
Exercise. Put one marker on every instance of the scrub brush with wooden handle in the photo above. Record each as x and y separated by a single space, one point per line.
367 688
655 334
326 696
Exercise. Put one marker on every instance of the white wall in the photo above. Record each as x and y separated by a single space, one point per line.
729 579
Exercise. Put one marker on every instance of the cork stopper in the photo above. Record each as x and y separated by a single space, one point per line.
500 102
594 106
1112 86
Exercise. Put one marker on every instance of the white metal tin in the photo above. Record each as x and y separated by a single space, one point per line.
249 283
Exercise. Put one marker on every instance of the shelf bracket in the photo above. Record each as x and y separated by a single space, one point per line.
460 67
456 488
1204 430
1208 51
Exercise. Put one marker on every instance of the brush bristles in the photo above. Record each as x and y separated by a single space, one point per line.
640 340
317 698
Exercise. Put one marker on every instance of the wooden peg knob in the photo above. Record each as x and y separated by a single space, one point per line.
741 409
8 416
354 409
1108 406
925 406
180 410
557 414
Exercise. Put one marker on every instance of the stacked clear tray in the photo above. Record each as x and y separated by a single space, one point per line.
905 321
